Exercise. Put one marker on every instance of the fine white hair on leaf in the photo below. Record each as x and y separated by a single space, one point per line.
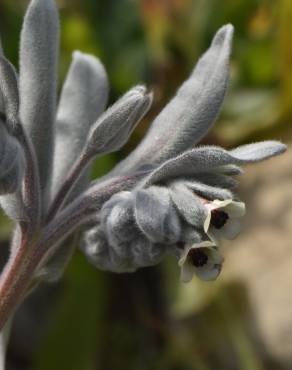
192 111
39 52
83 99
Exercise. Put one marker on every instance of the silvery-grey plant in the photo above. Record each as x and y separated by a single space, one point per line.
166 197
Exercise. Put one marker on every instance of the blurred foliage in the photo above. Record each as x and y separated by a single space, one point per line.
157 42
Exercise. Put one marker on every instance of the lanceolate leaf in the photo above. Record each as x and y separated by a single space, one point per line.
39 49
83 99
190 114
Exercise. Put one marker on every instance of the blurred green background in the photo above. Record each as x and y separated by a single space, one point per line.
148 320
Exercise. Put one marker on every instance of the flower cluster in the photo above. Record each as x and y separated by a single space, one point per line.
182 213
167 196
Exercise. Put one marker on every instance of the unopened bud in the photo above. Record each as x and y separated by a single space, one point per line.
113 129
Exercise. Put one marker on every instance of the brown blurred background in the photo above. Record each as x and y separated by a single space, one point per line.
149 320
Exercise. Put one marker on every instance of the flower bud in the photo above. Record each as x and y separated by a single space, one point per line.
113 128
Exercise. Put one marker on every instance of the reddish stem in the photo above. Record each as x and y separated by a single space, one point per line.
8 288
24 260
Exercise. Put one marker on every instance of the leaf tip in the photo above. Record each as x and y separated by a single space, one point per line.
224 36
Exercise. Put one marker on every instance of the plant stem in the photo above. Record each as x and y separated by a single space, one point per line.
75 173
35 249
9 292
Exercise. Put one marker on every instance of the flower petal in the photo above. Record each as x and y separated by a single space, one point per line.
231 229
187 272
233 208
212 269
202 244
207 221
215 234
236 209
208 273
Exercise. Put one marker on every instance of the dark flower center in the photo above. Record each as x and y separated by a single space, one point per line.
198 257
219 218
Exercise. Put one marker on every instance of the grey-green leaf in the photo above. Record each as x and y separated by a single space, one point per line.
190 114
39 49
210 158
83 99
258 151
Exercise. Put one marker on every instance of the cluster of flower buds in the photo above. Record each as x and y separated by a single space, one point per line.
185 207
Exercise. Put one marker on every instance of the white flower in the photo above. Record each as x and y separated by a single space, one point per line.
223 219
200 259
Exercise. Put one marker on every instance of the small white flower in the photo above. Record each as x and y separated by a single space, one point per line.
200 259
223 219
